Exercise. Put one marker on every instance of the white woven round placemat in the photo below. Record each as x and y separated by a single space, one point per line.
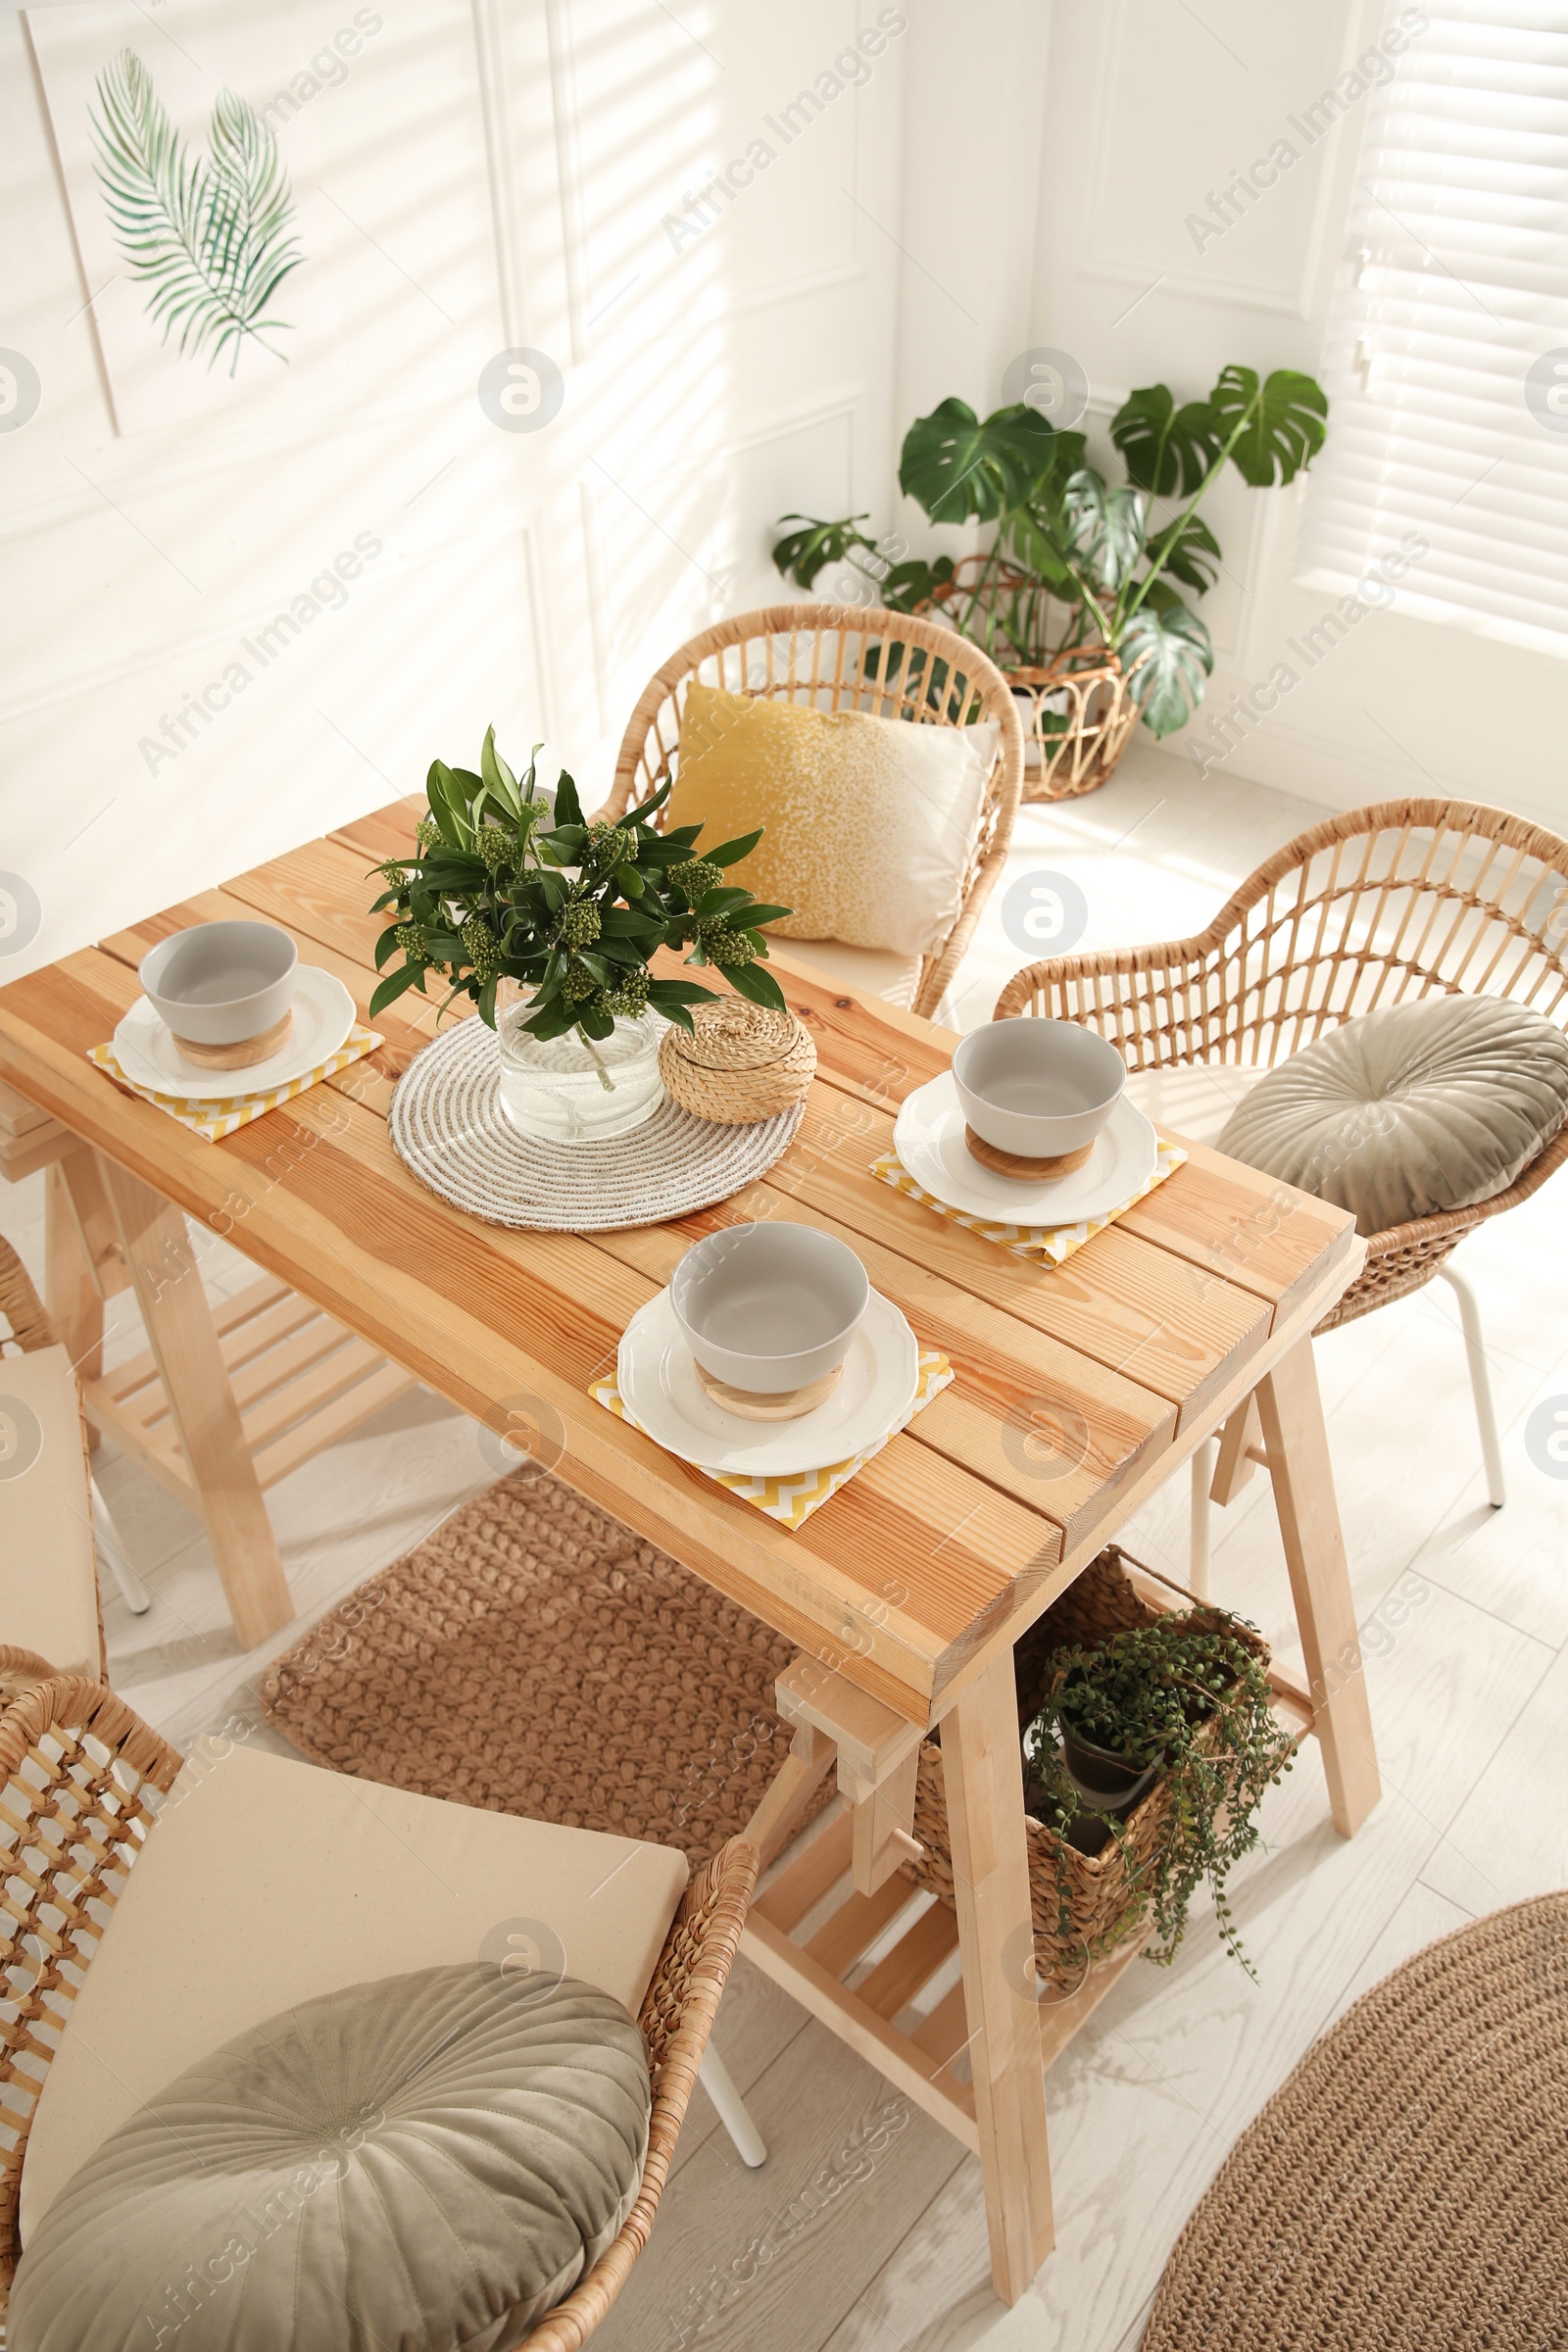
449 1127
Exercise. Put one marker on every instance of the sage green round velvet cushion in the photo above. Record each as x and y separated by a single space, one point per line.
416 2165
1409 1111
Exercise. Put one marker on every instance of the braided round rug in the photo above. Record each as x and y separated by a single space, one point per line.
449 1127
534 1656
1406 2190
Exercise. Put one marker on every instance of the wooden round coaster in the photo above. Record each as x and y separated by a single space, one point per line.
238 1056
1013 1163
787 1405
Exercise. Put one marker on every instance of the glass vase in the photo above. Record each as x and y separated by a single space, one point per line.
575 1088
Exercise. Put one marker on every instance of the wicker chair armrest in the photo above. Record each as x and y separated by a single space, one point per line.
1118 992
20 1304
75 1765
677 2015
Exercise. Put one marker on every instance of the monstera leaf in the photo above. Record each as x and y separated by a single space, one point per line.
1106 526
1189 551
1036 539
1165 449
965 470
1273 428
1167 658
801 555
210 238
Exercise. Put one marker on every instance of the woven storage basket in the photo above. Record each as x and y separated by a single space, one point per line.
1107 1893
743 1062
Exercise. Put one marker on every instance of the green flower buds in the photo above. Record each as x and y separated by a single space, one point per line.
727 949
696 875
579 923
608 845
484 949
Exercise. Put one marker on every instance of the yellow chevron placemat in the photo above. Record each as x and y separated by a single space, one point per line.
212 1116
1041 1245
792 1500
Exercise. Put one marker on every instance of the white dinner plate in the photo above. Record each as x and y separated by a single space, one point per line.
323 1015
929 1142
656 1376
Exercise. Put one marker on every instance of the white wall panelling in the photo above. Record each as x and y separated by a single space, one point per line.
494 175
500 172
1150 107
1177 95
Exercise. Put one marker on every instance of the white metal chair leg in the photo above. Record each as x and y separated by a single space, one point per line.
1480 1382
714 2075
1197 1540
105 1536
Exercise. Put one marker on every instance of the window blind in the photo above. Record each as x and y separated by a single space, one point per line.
1446 358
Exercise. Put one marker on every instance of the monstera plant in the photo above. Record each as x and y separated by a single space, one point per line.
1075 562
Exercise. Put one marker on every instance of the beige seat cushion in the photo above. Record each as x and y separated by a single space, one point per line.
868 825
266 1883
873 972
1194 1100
48 1577
1409 1111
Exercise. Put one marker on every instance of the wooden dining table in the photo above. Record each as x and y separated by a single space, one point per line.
1078 1391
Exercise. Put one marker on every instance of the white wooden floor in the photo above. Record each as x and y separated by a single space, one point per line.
864 2232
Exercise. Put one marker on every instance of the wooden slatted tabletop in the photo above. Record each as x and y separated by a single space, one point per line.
966 1526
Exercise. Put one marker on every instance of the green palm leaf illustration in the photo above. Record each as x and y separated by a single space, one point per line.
213 239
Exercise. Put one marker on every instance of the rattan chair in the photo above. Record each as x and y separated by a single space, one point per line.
1405 900
816 655
29 1327
81 1778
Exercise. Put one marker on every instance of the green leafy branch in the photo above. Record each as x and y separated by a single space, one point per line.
211 238
509 882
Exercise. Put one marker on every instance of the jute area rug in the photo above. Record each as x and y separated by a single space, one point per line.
534 1656
1407 2189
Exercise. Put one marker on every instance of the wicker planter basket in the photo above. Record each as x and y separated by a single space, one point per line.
1106 1894
1076 708
1080 715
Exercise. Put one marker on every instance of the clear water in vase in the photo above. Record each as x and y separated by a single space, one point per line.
577 1090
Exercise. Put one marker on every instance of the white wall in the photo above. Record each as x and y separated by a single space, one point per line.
498 176
1151 105
500 172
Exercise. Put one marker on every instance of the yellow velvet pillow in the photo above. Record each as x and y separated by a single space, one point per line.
867 823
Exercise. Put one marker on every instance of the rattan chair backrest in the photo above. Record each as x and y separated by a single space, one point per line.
840 657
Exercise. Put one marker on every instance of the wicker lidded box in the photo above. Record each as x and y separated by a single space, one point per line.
743 1062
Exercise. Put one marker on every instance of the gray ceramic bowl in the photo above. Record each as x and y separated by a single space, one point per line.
1037 1086
770 1307
222 983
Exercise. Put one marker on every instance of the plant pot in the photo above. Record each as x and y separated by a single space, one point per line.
1088 1886
575 1089
1078 718
1076 708
1106 1781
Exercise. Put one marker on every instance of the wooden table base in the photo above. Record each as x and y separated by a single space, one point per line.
222 1403
180 1330
992 2016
